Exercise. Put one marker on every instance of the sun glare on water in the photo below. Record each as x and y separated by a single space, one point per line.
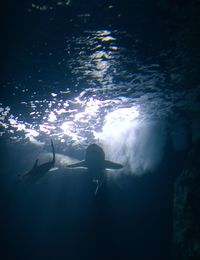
117 122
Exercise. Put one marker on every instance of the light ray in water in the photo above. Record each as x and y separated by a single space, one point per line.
133 141
115 100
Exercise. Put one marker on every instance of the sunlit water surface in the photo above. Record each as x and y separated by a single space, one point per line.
114 98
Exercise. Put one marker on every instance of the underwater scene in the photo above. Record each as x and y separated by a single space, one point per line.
100 129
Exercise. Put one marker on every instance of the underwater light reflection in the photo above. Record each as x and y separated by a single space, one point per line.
118 121
132 140
118 133
96 57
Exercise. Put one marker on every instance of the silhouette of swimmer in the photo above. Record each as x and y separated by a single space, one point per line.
96 164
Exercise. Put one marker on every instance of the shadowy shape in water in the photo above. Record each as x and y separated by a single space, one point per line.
96 164
38 171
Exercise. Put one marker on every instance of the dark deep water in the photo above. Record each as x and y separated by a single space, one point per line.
123 74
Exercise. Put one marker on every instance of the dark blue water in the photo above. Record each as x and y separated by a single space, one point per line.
123 74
